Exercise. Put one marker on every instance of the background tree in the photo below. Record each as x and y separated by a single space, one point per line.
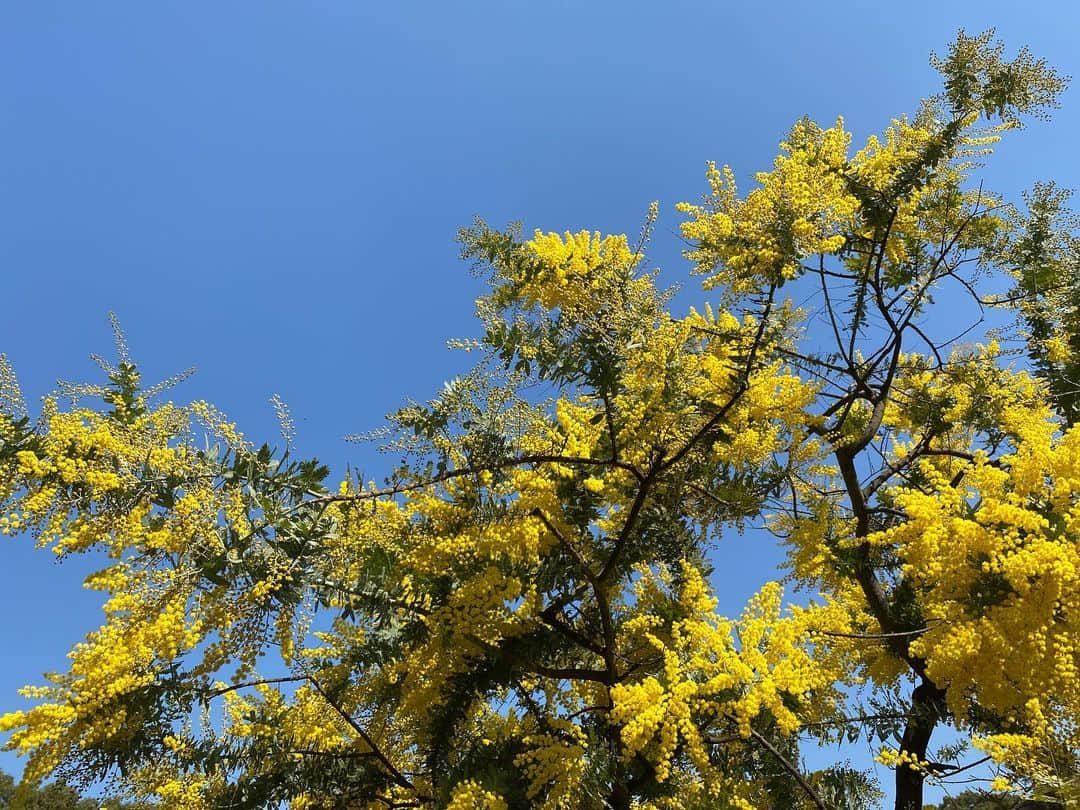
520 615
53 796
980 800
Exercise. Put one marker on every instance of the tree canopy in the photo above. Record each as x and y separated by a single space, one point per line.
53 796
50 797
521 615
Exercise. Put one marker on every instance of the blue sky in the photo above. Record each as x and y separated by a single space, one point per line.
270 191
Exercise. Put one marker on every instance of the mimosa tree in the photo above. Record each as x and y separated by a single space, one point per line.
521 614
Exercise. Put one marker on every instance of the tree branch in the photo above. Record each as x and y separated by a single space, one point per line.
786 764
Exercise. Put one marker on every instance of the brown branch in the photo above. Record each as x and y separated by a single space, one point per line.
449 475
832 317
955 769
705 493
861 718
918 631
331 754
609 420
596 583
786 764
261 682
724 740
861 299
926 710
398 777
569 673
892 469
740 389
631 519
572 634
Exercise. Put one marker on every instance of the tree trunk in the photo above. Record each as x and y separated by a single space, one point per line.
620 798
926 710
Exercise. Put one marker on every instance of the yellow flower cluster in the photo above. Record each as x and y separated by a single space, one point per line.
803 207
818 201
471 795
996 557
554 764
569 268
136 488
891 758
709 678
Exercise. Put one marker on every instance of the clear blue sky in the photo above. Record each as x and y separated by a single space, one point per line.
270 190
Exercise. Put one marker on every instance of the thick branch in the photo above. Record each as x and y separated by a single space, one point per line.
631 518
925 712
602 605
